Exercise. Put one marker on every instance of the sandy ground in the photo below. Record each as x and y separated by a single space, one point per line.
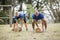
52 33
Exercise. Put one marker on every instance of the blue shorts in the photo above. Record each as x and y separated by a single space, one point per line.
40 16
23 16
20 16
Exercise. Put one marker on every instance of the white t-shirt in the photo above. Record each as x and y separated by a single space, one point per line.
24 8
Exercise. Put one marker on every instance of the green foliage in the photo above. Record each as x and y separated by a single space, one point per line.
2 14
5 2
20 1
45 0
30 10
4 21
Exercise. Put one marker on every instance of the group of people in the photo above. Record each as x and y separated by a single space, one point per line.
35 17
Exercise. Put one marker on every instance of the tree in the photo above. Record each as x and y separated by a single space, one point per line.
5 2
54 11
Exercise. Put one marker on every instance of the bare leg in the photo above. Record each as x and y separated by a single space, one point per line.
26 26
33 24
21 24
15 25
20 27
22 21
44 24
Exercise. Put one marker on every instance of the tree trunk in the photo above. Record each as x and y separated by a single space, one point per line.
54 12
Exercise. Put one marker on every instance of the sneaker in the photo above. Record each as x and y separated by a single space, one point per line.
33 30
12 29
20 29
26 29
45 30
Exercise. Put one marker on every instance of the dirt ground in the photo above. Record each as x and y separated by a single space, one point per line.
52 33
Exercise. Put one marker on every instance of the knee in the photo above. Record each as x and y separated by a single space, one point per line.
44 21
33 21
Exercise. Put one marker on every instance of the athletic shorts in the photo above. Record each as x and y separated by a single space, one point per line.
23 16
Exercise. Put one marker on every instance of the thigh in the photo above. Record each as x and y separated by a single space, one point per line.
34 20
24 18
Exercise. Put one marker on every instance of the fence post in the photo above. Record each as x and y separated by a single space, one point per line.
10 17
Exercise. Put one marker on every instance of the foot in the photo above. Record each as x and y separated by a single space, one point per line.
33 30
45 30
20 29
12 29
26 29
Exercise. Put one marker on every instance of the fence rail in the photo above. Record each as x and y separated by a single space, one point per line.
5 17
10 13
5 5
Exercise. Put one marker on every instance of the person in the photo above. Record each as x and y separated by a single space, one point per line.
37 16
23 20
